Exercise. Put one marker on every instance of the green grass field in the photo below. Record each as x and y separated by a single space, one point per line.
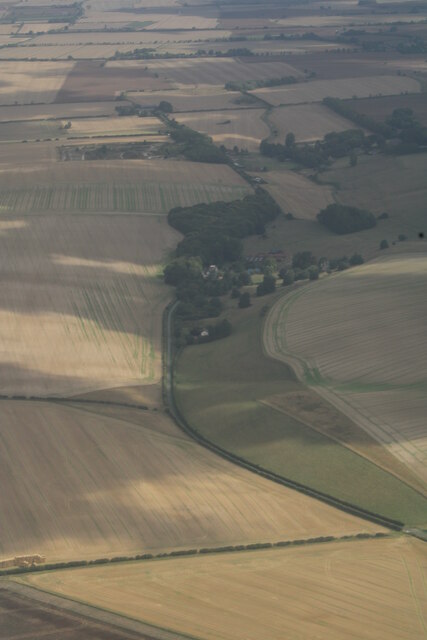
219 388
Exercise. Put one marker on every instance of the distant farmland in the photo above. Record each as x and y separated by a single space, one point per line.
362 590
25 82
316 90
358 337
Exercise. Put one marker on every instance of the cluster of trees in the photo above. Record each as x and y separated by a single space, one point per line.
249 85
193 145
214 231
334 145
213 235
343 219
305 266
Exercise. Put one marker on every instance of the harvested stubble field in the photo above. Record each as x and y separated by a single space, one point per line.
135 186
297 194
244 127
76 484
216 71
188 98
53 111
359 338
316 90
227 391
308 122
115 126
93 81
81 302
25 82
361 590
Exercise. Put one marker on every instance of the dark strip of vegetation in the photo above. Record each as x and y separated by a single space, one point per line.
187 552
249 85
343 219
334 145
193 145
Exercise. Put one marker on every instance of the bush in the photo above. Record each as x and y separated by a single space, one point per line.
342 219
356 259
268 285
303 260
384 244
402 237
288 276
244 300
313 272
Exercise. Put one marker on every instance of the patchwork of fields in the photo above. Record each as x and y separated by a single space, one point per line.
358 337
361 591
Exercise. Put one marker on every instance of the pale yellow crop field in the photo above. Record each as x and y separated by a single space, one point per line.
316 90
81 302
49 111
297 194
115 126
354 20
26 82
133 186
242 127
76 484
359 337
362 590
190 98
308 122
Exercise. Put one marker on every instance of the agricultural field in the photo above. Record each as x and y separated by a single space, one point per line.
26 82
226 390
316 90
297 194
215 71
134 186
53 111
308 122
316 591
81 302
94 81
381 108
244 128
368 359
114 126
27 613
78 484
190 98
